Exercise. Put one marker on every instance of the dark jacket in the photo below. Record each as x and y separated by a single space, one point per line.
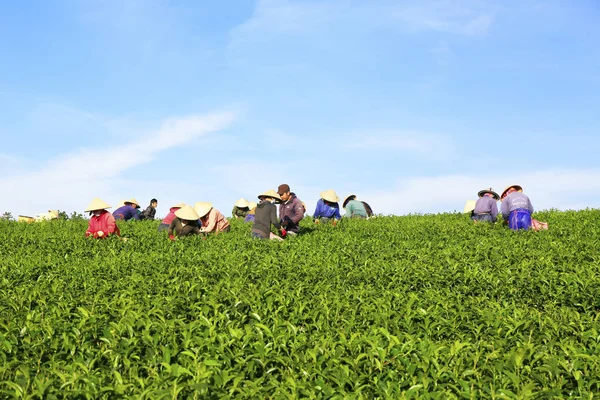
148 213
180 230
264 216
291 213
368 209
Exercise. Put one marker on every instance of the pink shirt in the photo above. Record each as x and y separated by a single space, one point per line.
104 222
214 221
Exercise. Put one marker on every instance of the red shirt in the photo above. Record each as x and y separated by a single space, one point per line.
104 222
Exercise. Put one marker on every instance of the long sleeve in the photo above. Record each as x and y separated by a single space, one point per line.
318 209
90 229
529 205
111 225
298 212
337 214
274 219
171 227
494 211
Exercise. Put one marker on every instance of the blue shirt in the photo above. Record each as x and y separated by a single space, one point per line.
126 213
324 210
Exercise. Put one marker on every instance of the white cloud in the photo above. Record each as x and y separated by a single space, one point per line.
430 146
275 17
442 53
71 180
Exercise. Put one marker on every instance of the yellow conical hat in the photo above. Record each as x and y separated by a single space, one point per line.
187 212
270 193
241 203
202 208
133 201
252 205
330 196
469 206
97 204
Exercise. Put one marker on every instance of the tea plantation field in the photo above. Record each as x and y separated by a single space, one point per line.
427 306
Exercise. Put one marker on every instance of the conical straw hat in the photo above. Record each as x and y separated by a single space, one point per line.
347 199
178 205
490 191
241 203
518 188
202 208
133 201
469 206
121 203
330 196
97 204
187 212
270 193
53 213
252 205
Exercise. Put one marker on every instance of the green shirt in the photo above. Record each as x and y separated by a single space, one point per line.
355 208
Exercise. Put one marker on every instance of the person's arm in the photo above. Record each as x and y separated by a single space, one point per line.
494 211
337 214
273 218
111 225
318 210
211 222
234 212
298 212
529 205
171 227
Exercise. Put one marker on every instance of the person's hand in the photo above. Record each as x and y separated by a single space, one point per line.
334 222
316 221
100 234
172 238
283 232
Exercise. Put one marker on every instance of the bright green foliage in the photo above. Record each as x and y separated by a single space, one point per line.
427 306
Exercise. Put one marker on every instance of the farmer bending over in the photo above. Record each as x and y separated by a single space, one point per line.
516 208
102 223
265 216
327 207
486 209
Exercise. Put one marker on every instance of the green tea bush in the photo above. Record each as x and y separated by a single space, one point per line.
421 306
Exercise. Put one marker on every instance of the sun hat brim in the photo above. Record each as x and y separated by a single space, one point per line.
518 188
187 212
347 199
202 208
484 191
330 196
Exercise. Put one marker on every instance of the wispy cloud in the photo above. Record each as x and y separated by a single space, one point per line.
275 17
442 54
71 179
430 146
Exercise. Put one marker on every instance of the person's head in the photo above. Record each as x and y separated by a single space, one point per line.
267 198
153 203
284 192
97 212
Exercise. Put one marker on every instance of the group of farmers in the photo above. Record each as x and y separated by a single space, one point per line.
516 208
203 218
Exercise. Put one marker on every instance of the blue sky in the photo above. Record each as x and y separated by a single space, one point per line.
412 105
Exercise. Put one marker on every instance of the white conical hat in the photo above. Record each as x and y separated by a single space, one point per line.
133 201
241 203
330 196
270 193
187 212
97 204
202 208
53 213
252 205
469 206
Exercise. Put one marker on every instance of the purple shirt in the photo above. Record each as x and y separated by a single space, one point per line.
514 201
486 205
291 213
126 213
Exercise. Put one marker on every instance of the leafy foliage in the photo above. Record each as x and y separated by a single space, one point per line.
427 306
